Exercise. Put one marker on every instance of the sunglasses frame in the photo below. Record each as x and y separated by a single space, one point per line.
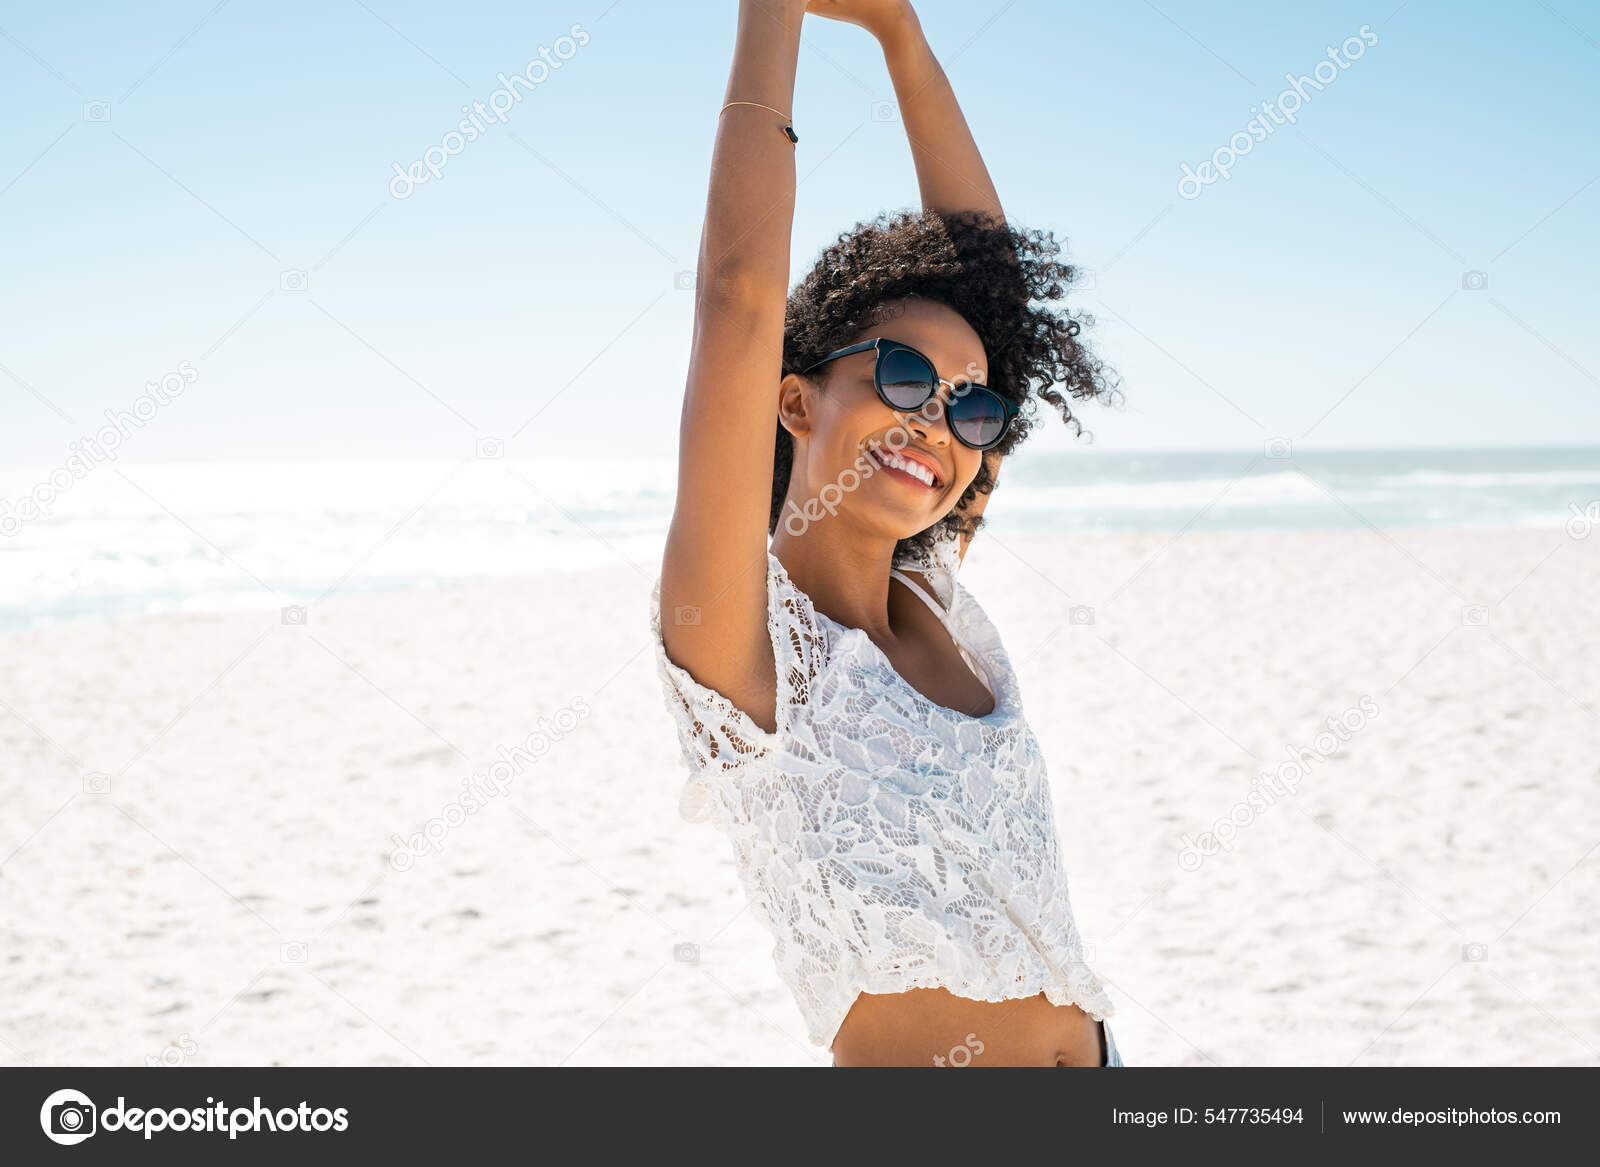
883 347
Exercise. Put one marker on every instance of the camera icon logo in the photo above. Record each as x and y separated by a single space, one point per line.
1278 448
97 111
294 952
885 111
686 953
99 782
685 281
1080 614
1475 616
67 1117
686 614
293 280
1475 281
1475 953
294 614
491 448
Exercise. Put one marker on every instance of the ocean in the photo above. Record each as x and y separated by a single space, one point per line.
135 538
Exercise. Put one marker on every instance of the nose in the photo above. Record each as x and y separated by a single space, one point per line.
934 430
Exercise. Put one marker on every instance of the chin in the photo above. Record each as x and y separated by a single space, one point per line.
902 522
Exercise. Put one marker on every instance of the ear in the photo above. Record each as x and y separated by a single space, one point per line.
794 404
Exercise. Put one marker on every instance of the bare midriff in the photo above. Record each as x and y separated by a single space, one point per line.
933 1027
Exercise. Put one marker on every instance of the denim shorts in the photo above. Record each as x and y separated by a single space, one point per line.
1108 1047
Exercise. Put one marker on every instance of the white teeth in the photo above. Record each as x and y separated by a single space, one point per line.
915 469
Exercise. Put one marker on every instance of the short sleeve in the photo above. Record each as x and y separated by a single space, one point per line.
939 567
719 740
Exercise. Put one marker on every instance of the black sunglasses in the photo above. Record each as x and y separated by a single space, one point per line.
905 379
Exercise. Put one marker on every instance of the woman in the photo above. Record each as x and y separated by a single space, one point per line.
847 711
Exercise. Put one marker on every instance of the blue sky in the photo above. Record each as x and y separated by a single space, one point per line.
165 167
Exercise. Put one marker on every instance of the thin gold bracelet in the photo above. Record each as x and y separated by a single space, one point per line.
788 129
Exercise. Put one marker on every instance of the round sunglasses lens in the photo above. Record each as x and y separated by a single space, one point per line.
907 379
978 417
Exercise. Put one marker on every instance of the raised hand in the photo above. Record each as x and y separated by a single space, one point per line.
876 16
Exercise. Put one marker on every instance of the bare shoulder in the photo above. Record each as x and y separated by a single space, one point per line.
715 628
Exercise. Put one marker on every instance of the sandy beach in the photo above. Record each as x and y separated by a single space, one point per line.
198 860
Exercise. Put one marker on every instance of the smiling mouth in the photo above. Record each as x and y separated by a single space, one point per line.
907 468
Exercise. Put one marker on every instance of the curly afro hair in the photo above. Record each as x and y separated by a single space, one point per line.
985 269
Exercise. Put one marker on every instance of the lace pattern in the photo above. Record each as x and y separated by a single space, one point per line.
889 843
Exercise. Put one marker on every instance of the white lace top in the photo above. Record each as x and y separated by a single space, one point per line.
888 842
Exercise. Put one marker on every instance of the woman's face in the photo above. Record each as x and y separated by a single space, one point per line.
847 441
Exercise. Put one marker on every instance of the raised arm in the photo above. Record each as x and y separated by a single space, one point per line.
951 175
714 567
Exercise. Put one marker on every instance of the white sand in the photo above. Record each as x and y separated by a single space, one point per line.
258 770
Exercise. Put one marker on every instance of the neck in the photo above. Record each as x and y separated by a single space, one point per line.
843 570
